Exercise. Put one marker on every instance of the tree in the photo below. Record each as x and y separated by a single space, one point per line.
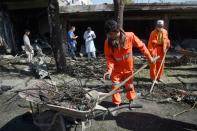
56 35
119 10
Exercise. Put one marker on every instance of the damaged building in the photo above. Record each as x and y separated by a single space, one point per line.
6 32
180 20
18 15
21 15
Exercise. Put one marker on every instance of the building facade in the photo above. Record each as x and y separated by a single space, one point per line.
75 2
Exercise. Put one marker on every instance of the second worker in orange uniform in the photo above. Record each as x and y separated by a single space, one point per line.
157 45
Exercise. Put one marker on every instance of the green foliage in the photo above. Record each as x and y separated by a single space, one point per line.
128 1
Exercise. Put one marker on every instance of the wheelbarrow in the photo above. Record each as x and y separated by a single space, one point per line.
31 95
79 114
71 114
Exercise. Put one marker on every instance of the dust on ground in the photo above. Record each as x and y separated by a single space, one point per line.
154 115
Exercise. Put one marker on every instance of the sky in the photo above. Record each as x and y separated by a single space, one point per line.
110 1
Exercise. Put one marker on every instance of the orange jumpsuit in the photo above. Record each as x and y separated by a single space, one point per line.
120 64
157 44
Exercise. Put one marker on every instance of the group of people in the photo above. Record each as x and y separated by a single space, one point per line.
89 36
118 50
118 53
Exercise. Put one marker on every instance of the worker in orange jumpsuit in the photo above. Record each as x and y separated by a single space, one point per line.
157 45
118 52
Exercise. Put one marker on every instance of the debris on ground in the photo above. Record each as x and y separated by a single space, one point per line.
190 99
166 100
82 68
39 66
170 94
70 95
4 88
186 110
187 57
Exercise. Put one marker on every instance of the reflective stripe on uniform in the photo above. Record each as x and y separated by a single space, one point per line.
160 38
130 86
123 57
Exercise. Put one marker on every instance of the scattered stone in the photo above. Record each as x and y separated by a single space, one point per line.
4 88
7 57
167 100
190 99
191 86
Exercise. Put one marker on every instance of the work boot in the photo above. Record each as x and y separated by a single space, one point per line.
131 102
114 113
134 95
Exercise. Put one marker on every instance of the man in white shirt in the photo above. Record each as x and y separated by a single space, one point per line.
89 37
28 48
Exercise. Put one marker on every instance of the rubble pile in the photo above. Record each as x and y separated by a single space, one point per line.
39 68
70 95
187 57
183 60
170 94
87 69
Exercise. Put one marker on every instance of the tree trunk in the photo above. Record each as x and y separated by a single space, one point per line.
56 35
119 11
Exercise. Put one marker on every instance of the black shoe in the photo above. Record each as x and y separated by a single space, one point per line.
131 103
115 112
